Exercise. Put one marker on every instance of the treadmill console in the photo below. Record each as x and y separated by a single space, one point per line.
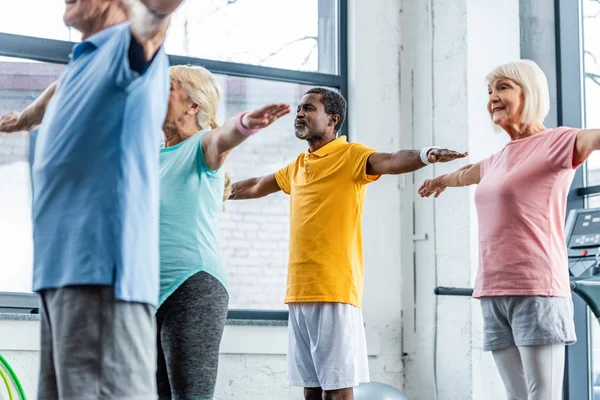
583 242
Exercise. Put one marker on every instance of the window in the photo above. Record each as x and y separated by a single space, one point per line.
38 18
579 22
21 81
590 11
256 61
591 70
301 37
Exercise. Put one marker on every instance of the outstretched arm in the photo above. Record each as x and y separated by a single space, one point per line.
217 143
404 161
254 188
587 141
465 176
149 22
31 116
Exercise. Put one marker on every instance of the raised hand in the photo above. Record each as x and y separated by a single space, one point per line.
265 116
433 186
444 155
10 122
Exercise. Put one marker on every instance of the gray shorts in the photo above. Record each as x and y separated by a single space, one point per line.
95 347
512 321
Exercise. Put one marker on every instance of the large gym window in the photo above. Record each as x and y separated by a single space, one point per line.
302 36
579 99
256 60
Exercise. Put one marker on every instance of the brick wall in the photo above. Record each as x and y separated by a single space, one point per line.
254 233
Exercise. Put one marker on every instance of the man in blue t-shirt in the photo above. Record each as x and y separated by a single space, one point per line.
96 201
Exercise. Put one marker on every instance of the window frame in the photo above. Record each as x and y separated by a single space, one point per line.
571 94
58 51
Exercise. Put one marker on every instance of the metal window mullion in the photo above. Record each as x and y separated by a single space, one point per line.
342 51
57 51
569 72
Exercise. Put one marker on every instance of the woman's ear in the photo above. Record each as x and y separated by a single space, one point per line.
194 108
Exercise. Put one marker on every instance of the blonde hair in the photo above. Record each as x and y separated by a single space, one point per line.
532 80
227 191
202 88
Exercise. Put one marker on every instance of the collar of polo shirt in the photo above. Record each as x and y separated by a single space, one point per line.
329 147
96 40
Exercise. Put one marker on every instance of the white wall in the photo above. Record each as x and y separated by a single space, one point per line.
374 118
448 48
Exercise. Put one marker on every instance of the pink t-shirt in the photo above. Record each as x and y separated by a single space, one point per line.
521 204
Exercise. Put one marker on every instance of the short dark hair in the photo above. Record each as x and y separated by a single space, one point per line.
334 103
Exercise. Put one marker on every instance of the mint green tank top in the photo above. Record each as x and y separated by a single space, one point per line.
191 200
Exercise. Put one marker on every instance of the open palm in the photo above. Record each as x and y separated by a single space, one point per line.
444 155
265 116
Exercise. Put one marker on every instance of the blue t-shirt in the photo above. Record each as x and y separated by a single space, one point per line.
95 172
191 200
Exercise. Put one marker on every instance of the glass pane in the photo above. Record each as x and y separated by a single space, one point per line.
593 201
46 21
255 233
591 69
297 35
21 81
302 37
591 66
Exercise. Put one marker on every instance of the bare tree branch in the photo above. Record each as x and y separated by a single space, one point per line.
594 77
589 53
597 13
310 54
288 44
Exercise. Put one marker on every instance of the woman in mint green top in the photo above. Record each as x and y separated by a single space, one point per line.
193 282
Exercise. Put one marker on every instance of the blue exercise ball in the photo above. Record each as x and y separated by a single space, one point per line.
377 391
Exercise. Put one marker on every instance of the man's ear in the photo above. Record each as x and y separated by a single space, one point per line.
334 119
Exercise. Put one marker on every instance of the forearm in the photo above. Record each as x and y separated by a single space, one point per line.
244 190
254 188
404 161
457 178
227 137
218 143
150 20
34 113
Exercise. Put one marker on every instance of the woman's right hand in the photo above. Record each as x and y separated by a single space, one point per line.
433 186
10 122
265 116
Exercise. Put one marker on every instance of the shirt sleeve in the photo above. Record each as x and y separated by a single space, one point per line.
359 156
283 177
483 166
561 148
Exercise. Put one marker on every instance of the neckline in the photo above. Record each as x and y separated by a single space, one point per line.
540 133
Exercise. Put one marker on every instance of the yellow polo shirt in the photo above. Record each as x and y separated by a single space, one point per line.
327 192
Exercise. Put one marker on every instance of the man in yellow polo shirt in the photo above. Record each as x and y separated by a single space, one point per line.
327 186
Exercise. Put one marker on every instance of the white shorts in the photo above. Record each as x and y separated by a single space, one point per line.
327 346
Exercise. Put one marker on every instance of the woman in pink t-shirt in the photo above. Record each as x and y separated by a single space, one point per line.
523 280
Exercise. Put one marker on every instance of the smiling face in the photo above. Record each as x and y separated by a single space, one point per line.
506 102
